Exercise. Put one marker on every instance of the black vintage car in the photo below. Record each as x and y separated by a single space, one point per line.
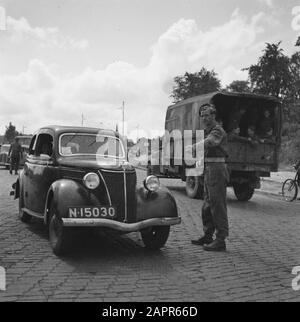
80 177
4 160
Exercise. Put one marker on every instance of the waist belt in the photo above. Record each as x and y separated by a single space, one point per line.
214 160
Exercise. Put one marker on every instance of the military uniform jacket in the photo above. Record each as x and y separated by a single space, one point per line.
215 142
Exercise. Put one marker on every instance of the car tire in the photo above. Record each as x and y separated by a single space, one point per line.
59 235
24 217
155 237
243 191
194 187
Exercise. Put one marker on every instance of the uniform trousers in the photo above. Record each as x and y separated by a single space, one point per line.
214 209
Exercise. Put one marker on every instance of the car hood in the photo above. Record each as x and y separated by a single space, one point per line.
94 163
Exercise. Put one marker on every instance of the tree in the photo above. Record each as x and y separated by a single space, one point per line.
193 84
294 89
239 86
278 75
10 133
271 75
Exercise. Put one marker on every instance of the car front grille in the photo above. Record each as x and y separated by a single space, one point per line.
120 188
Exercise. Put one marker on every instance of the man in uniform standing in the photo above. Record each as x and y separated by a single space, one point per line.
214 209
15 153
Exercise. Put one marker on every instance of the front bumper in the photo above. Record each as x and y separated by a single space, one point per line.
121 226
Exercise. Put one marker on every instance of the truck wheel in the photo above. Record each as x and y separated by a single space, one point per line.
58 235
194 187
243 191
24 217
155 237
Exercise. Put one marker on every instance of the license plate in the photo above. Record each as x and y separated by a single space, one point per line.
92 212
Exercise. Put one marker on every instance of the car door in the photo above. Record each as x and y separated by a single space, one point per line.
39 172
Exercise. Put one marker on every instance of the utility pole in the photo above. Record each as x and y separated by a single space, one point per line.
137 132
123 114
82 119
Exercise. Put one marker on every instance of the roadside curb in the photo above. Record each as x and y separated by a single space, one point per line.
263 192
266 192
272 180
140 168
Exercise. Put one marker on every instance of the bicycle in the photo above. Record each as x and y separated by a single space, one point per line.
290 187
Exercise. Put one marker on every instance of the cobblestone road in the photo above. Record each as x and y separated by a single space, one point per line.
262 250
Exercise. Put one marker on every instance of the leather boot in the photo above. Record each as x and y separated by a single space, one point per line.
217 245
203 240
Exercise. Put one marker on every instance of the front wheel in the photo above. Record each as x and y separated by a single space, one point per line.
155 237
289 190
243 191
194 187
58 234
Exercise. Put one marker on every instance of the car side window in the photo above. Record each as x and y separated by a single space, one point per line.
44 145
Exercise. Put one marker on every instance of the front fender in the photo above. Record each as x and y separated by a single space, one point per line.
65 193
155 205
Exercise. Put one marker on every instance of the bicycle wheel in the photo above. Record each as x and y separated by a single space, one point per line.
289 190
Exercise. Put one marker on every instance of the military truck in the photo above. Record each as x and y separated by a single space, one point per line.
250 155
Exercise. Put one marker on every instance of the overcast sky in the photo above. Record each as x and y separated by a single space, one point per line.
61 59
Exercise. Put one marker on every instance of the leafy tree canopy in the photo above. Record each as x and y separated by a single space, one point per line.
271 75
239 86
10 133
193 84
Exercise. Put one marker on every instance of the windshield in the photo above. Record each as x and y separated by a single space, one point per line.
4 149
91 144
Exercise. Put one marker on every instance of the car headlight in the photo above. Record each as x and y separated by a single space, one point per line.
91 180
152 183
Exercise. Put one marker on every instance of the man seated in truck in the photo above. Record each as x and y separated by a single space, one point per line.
266 124
236 119
234 135
252 138
268 137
